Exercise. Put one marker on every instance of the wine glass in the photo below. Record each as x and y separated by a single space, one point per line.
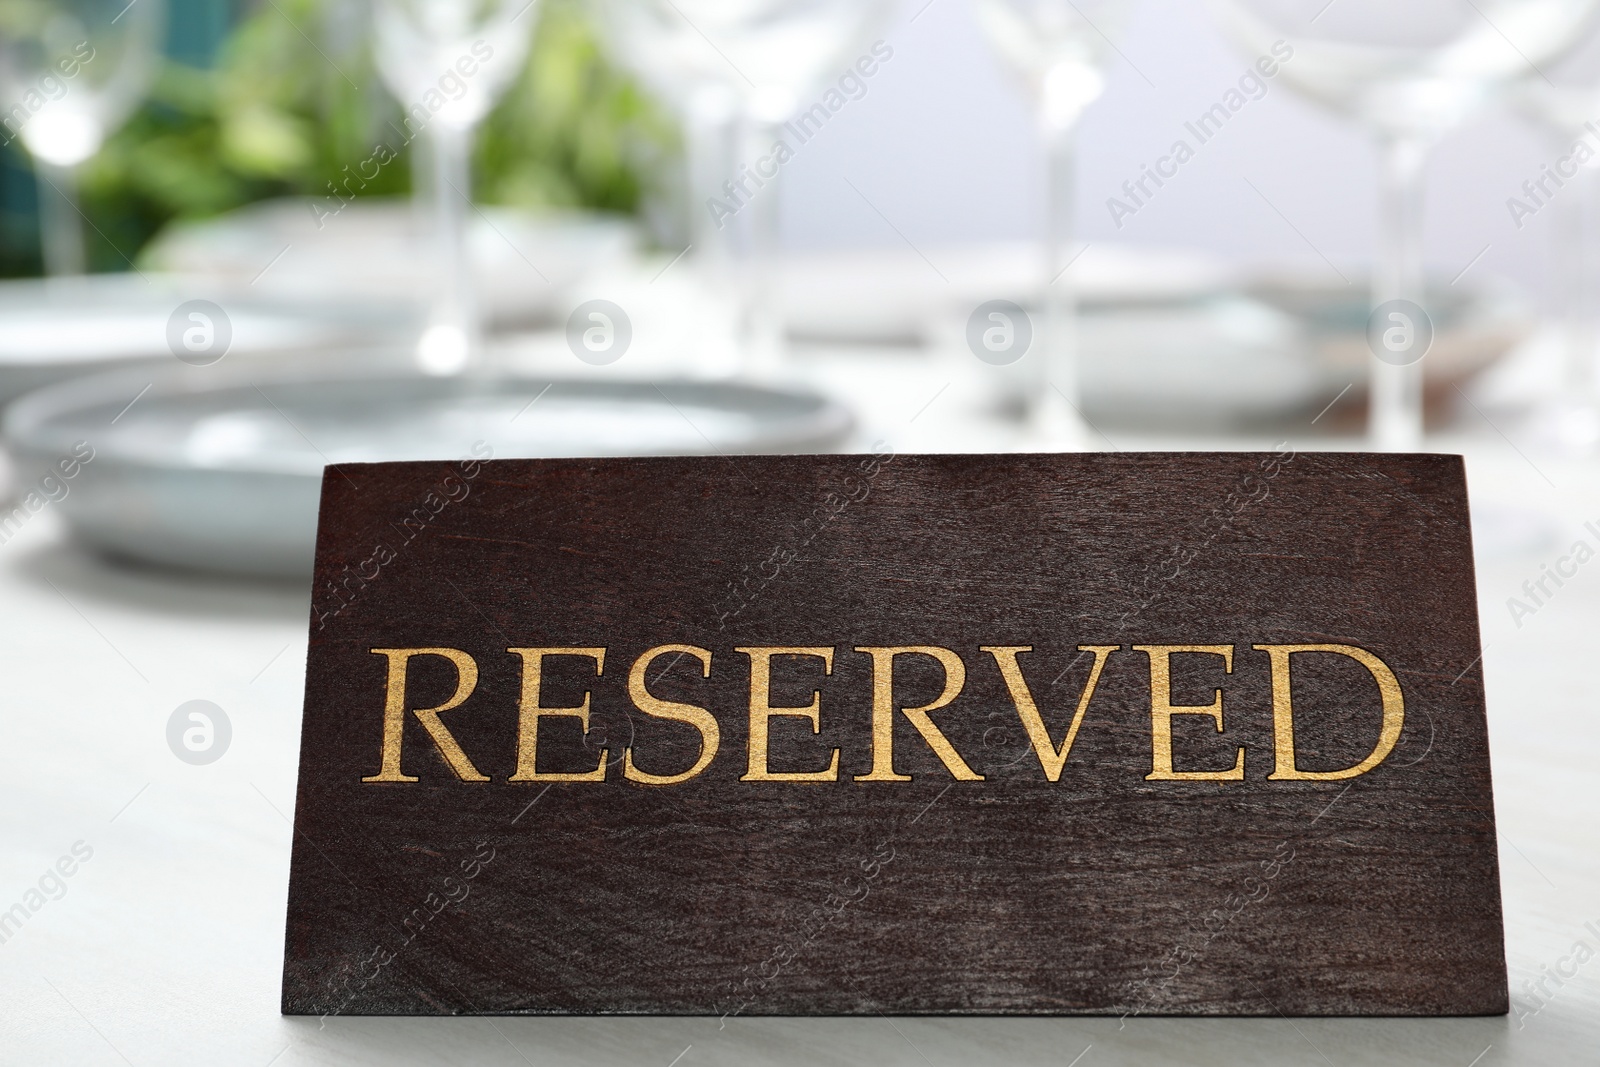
71 72
684 71
736 71
1564 99
1408 71
447 62
1059 48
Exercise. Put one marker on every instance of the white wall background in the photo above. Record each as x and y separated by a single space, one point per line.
943 145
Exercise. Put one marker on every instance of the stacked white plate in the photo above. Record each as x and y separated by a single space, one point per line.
523 263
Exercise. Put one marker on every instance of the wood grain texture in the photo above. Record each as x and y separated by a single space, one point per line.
1099 893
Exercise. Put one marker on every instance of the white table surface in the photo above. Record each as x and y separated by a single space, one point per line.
167 945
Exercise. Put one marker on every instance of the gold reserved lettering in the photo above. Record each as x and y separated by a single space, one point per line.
1051 758
394 714
955 677
531 712
761 712
1394 711
695 716
1162 711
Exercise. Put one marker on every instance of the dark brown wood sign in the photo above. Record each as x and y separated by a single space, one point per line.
1033 734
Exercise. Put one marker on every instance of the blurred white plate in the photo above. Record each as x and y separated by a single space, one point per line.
1280 349
1211 363
219 468
1177 337
55 329
900 295
1206 364
522 262
1475 324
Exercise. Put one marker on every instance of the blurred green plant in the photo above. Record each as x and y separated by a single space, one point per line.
279 115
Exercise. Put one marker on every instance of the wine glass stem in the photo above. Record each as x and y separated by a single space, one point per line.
761 332
454 304
709 134
1054 407
1574 252
1395 415
60 223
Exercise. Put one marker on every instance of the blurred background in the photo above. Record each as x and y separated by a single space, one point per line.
240 241
275 235
948 132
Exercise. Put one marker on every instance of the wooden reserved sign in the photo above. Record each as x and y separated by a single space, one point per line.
1032 734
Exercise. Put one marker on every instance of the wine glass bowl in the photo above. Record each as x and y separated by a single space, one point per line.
460 55
1058 48
1564 95
1416 68
71 72
770 52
